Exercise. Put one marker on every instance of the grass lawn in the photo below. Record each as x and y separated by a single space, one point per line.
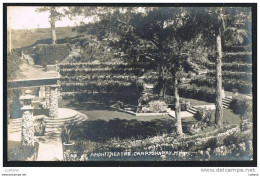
105 123
96 111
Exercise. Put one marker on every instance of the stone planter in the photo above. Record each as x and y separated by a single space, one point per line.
68 146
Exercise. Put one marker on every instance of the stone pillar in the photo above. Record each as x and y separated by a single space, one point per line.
27 129
47 96
53 108
42 92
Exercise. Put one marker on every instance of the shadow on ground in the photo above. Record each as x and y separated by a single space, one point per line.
101 130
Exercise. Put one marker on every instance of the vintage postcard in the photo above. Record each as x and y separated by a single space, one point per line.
130 83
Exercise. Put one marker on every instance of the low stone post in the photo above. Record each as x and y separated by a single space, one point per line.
53 108
27 120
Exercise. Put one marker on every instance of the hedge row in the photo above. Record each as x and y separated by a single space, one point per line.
100 71
92 65
237 57
198 92
228 84
235 67
96 86
233 75
105 97
131 78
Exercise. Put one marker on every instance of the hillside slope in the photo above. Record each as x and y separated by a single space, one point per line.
23 38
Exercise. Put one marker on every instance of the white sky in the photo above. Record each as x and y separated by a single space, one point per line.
25 17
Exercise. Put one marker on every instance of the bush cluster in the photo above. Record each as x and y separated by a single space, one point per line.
198 92
238 57
107 81
241 85
204 115
233 75
157 106
48 54
235 67
227 143
241 106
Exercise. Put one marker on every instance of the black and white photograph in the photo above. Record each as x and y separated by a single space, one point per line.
165 83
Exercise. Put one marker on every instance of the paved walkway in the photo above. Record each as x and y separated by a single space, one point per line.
183 114
50 147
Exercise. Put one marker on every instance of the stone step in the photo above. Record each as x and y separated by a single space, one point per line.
59 124
59 119
226 100
192 110
228 97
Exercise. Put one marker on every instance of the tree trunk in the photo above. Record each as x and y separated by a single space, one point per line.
52 22
177 105
219 107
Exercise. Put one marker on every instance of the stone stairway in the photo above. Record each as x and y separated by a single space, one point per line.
225 102
15 125
192 110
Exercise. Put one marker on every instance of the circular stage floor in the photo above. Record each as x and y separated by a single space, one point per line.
66 113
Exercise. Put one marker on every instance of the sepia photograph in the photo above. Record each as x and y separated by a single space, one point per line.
165 83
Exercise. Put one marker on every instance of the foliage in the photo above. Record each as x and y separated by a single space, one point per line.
234 67
22 153
66 133
185 105
241 106
198 92
227 143
39 126
237 67
105 81
243 86
204 115
13 65
233 75
50 54
157 106
243 57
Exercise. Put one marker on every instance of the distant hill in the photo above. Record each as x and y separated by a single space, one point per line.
27 37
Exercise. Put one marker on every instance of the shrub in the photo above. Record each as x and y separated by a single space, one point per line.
198 92
231 139
157 106
241 106
228 84
238 57
185 105
233 75
22 153
48 54
203 115
235 67
39 126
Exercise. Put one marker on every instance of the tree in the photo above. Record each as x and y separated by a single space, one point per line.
216 23
55 15
156 36
13 69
